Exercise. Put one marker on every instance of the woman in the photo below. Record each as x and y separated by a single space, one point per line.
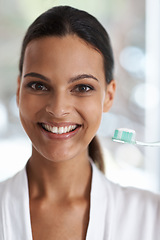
64 86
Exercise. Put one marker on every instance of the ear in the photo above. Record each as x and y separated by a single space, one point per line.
18 90
109 96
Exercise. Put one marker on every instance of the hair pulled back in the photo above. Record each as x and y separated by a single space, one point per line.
65 20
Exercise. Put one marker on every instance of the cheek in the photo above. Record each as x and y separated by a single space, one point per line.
95 116
28 107
91 111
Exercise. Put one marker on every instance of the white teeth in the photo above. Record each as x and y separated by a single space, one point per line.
53 129
59 130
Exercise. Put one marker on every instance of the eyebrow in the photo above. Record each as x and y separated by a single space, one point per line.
73 79
82 76
37 75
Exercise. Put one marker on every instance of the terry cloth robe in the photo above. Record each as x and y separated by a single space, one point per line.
116 213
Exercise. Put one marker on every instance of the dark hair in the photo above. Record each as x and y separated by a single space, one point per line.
63 20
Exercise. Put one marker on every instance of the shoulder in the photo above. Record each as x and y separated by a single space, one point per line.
14 207
127 209
11 185
8 197
121 195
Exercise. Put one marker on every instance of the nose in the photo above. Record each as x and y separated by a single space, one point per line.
58 105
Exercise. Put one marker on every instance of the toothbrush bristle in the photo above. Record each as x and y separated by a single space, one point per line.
125 135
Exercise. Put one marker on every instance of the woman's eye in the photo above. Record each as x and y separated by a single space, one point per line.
82 88
38 86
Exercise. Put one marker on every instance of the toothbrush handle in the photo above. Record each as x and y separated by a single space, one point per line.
153 144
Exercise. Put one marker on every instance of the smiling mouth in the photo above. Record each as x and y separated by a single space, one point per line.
59 130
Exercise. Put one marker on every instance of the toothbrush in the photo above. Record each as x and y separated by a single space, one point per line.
124 135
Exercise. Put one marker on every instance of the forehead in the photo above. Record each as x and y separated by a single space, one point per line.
62 53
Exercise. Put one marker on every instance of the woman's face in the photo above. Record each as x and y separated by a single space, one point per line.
61 96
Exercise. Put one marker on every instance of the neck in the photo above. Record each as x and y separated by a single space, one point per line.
60 180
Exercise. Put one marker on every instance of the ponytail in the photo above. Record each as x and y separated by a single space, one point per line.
95 153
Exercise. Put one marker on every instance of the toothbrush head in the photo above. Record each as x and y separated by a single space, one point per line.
124 135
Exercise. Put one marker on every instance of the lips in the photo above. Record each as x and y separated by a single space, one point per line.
59 129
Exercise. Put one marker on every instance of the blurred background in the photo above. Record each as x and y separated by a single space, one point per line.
134 29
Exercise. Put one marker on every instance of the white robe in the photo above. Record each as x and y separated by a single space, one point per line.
116 213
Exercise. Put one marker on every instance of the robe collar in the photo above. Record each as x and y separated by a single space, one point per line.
16 211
